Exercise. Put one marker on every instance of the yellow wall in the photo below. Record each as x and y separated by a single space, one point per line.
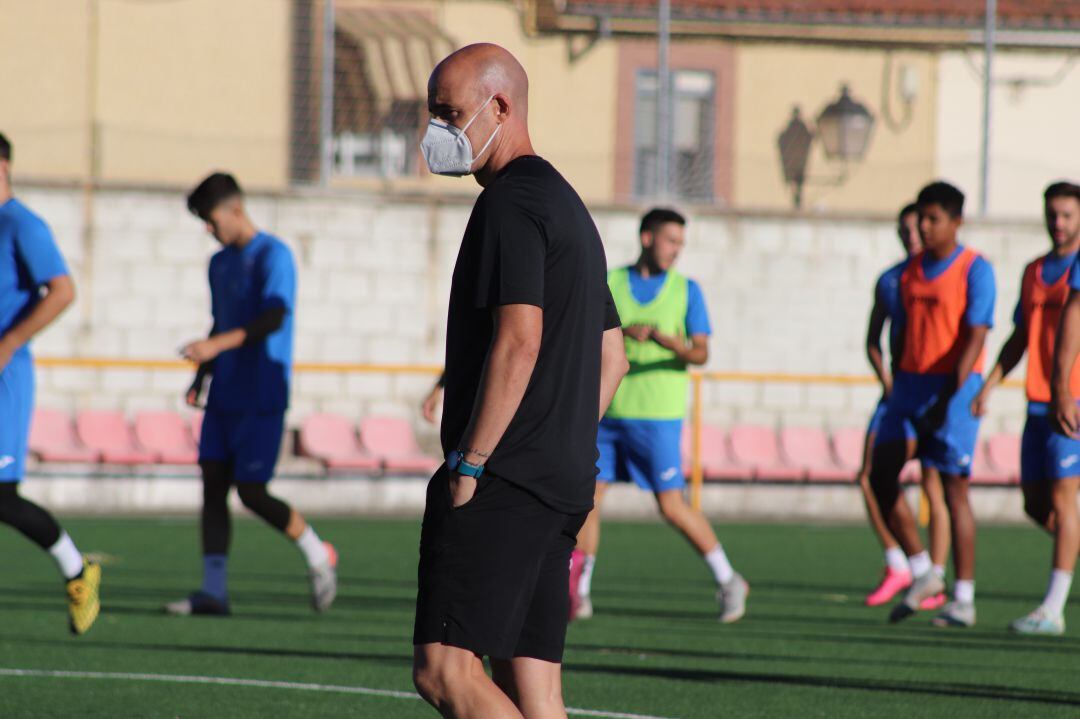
772 78
183 87
571 106
43 50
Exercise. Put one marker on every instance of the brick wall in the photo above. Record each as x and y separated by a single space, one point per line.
785 295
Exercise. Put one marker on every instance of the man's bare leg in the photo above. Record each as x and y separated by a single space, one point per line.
535 686
453 681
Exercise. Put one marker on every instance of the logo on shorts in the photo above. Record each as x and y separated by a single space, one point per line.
253 466
965 460
669 474
6 461
1069 461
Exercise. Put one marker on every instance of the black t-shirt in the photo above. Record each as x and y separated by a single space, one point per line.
530 240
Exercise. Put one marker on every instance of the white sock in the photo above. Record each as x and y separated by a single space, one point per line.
964 591
919 563
1057 592
313 548
718 562
585 581
68 558
895 560
939 571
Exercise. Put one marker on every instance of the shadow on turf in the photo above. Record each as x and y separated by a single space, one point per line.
970 691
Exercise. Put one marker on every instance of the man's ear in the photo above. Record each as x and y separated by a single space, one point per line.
647 239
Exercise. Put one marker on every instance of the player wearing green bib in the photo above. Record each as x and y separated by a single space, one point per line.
666 328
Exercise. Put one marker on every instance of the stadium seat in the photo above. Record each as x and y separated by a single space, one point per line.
716 462
1003 453
808 449
392 441
848 444
109 433
757 448
983 472
196 427
168 435
332 440
53 438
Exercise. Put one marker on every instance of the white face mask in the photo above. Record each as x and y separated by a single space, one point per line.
447 149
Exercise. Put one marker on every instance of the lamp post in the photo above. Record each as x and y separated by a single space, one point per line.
844 127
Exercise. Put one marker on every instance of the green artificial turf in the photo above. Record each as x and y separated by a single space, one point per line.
806 648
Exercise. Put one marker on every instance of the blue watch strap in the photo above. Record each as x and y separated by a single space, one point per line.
455 462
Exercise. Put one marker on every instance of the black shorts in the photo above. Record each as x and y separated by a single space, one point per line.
495 572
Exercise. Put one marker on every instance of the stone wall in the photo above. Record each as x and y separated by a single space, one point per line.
786 294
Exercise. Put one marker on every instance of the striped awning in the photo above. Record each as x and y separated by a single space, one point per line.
401 48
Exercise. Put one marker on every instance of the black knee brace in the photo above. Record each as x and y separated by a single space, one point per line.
32 521
255 497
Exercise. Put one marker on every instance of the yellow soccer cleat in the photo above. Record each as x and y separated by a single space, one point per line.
84 601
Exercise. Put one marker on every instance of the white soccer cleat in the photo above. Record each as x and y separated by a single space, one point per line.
1040 621
956 614
732 598
584 607
324 582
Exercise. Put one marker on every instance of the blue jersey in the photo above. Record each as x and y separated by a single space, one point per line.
645 290
244 283
887 294
29 258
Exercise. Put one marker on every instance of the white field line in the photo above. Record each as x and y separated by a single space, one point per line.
266 684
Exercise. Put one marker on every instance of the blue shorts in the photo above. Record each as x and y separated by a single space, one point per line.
1046 454
16 409
645 451
250 442
948 448
874 427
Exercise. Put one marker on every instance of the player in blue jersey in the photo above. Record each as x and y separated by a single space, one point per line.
35 287
666 328
887 308
249 356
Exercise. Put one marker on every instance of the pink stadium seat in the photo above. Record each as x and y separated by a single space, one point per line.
848 444
167 434
332 440
109 433
716 462
196 427
392 441
983 472
53 439
1003 452
807 449
758 449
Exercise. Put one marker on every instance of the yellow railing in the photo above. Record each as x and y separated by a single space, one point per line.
697 379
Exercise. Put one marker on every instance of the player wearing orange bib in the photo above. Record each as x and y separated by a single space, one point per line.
1047 459
947 299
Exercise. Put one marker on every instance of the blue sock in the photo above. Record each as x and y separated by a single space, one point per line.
215 574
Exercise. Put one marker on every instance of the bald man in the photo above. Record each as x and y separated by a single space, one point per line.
534 354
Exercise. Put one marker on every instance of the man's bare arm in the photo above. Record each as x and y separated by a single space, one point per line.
613 366
507 371
1011 353
874 353
59 294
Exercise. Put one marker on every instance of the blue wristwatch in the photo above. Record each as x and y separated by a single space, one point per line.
455 462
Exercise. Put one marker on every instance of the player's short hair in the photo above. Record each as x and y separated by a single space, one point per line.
942 193
211 192
658 216
1062 188
908 209
5 147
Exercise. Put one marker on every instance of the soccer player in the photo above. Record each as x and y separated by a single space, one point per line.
947 295
1048 478
666 326
897 576
35 287
249 354
533 356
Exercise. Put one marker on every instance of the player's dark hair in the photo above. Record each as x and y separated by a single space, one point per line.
658 216
1063 188
942 193
211 192
908 209
5 147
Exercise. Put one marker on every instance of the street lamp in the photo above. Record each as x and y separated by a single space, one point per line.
844 128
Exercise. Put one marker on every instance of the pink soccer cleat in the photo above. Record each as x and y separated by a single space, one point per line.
577 563
935 602
892 583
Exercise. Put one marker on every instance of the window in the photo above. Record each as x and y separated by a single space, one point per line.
692 121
